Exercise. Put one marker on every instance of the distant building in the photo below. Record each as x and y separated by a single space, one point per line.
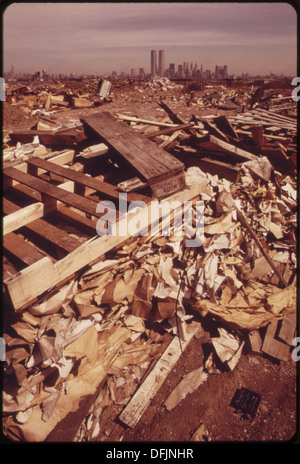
161 62
171 70
221 72
132 72
141 73
153 62
180 71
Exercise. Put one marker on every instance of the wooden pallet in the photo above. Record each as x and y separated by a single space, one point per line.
39 253
35 213
162 171
266 119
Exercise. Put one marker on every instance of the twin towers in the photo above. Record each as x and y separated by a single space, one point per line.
157 68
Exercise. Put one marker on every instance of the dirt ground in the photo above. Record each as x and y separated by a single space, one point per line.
275 420
276 382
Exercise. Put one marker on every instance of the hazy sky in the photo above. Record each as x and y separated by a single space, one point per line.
100 37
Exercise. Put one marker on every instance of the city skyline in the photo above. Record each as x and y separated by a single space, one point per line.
98 38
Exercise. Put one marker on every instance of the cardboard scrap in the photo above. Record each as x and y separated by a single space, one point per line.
227 348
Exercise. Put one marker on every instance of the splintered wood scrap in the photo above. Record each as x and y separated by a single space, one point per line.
168 131
244 222
212 143
146 121
138 404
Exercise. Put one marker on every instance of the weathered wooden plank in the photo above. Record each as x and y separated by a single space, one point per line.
67 138
274 347
106 189
124 117
138 404
24 251
144 155
288 328
212 143
53 191
18 217
44 229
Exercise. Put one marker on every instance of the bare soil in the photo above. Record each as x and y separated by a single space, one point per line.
275 420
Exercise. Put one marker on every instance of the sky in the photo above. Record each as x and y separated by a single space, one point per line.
97 38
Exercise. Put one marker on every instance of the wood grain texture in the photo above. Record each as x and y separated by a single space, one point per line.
150 161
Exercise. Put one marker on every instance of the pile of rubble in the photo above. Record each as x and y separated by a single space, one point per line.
100 329
41 98
77 358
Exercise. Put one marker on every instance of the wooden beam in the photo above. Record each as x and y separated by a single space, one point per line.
44 229
146 121
52 191
138 404
106 189
212 143
22 216
68 138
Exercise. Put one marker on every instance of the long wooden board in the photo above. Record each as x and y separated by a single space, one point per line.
24 251
52 191
44 229
106 189
138 404
150 161
18 217
67 138
213 143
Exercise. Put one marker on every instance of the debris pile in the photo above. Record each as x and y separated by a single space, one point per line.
45 98
95 322
99 329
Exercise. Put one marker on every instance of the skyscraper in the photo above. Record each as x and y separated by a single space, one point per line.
153 62
161 62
